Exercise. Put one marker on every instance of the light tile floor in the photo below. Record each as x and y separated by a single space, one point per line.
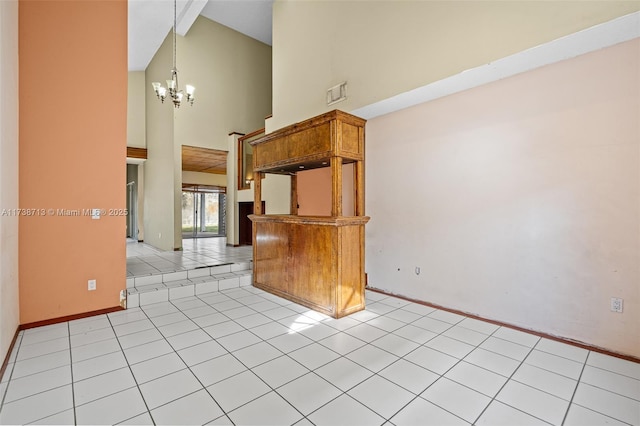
143 259
244 356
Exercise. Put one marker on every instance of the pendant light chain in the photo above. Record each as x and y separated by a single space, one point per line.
174 33
173 88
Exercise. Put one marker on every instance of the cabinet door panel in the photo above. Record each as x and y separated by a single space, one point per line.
313 265
350 295
272 249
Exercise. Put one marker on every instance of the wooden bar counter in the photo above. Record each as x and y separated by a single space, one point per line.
316 261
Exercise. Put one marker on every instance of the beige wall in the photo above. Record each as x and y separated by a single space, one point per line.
136 132
204 178
383 48
162 170
9 303
519 200
232 76
276 194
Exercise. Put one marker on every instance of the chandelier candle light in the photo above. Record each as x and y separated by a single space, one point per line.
175 93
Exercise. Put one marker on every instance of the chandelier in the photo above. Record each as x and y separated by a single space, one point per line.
173 89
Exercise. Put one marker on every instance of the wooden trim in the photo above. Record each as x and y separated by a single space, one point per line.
257 193
336 186
70 318
312 122
210 189
240 184
240 172
310 220
312 161
136 152
359 188
3 368
571 342
252 134
293 209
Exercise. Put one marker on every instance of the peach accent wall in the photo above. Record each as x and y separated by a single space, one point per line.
519 200
314 192
73 133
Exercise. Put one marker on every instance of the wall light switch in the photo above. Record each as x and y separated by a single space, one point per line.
91 285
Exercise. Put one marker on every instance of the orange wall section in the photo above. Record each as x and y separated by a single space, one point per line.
314 192
72 151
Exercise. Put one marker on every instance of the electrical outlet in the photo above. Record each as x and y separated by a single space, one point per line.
91 285
616 304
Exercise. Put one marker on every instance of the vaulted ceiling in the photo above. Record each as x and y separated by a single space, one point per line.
151 20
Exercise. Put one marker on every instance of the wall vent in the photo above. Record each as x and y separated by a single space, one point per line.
337 93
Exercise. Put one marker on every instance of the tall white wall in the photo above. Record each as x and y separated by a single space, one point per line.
384 48
163 168
518 200
232 76
9 303
136 100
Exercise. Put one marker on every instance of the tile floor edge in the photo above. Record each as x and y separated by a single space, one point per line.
561 339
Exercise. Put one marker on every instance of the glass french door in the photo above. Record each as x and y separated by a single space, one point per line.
202 212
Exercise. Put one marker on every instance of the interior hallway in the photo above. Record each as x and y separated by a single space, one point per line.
143 259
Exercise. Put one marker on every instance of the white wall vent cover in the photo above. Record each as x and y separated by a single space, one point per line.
337 93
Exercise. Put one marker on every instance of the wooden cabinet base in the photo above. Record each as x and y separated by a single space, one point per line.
317 262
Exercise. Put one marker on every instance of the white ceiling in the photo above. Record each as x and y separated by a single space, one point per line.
151 20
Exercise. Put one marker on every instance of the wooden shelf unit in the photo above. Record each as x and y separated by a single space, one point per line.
315 261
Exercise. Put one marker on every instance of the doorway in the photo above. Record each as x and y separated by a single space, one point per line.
245 227
132 201
203 211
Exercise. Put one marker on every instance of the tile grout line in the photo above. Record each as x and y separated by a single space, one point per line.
43 391
132 375
287 354
511 378
449 369
247 368
73 393
187 367
399 358
237 298
205 388
573 394
8 382
493 398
